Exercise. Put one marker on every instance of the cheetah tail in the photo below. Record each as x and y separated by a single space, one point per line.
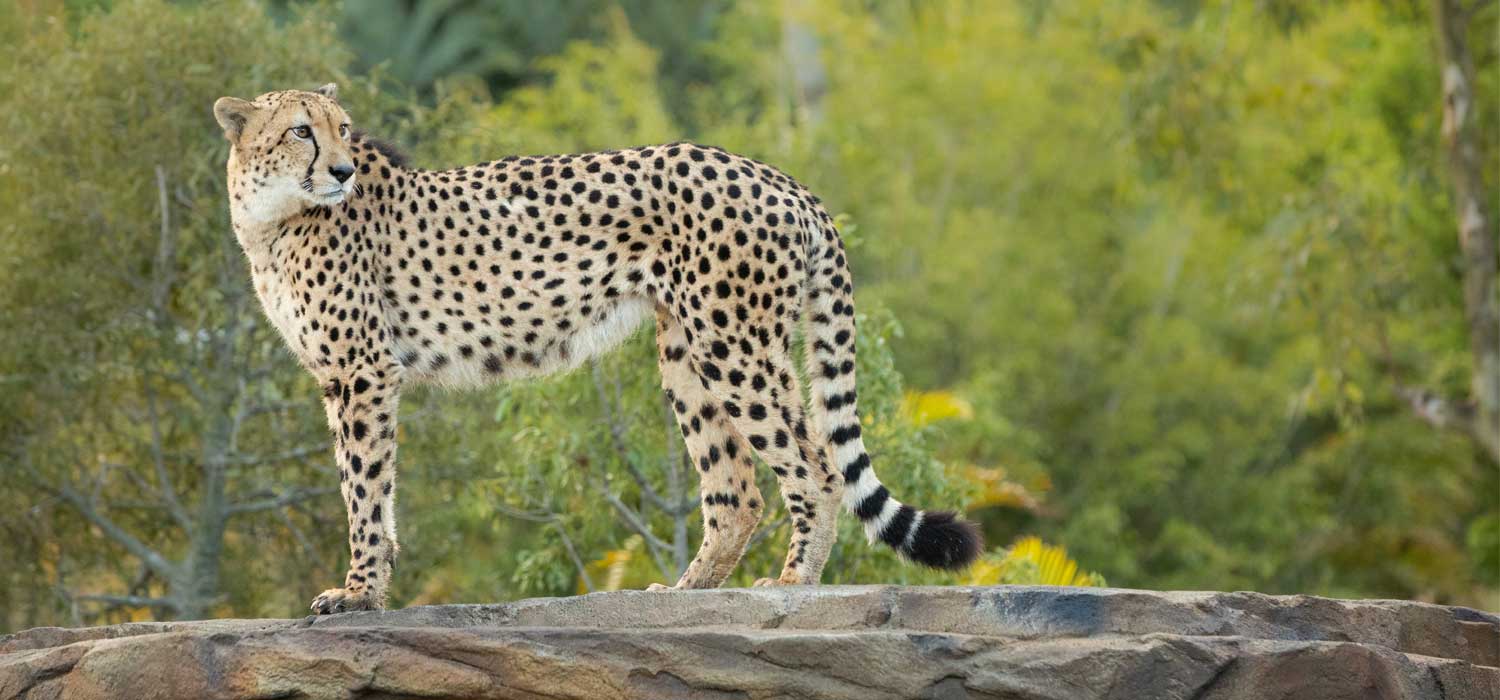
938 539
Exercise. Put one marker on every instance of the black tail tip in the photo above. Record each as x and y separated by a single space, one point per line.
945 541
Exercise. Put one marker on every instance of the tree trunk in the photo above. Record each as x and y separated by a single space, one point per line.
808 78
1476 225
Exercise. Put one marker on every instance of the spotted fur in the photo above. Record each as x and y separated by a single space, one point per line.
526 266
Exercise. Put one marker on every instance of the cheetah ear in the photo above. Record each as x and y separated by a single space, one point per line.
233 113
330 91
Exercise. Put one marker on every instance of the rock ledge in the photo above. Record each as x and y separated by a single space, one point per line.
859 642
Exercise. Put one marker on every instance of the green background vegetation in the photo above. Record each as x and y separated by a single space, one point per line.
1177 286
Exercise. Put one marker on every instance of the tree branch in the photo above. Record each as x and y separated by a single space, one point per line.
297 534
1447 414
654 545
527 515
122 600
550 518
164 486
283 456
273 406
583 573
140 550
633 520
279 501
165 251
617 440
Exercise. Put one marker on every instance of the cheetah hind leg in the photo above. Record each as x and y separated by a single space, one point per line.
773 421
729 499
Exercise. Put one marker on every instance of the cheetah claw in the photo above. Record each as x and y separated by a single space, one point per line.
338 600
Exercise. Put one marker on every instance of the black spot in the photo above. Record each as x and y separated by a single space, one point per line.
391 153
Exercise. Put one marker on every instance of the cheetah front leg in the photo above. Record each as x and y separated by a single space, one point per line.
361 406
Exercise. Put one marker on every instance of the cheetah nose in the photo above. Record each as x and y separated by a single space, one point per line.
341 172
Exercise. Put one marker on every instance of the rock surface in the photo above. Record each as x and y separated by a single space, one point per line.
826 642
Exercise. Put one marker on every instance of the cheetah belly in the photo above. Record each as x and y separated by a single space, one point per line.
456 361
607 330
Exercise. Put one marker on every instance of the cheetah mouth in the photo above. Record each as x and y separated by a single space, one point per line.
331 196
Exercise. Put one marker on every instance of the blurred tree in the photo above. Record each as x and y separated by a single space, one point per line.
1479 416
147 400
1172 258
499 41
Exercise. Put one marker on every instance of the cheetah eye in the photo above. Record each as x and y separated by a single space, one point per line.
344 131
302 132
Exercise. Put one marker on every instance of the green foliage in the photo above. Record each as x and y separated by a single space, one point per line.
134 359
1175 265
499 41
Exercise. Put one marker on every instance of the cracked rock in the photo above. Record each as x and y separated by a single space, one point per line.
864 642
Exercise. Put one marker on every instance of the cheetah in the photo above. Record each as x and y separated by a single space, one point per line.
380 275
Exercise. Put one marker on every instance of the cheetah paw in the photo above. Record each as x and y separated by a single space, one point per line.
338 600
776 582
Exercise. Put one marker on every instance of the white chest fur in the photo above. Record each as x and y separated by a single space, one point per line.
278 297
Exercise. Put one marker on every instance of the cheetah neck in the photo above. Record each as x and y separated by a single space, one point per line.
255 219
258 223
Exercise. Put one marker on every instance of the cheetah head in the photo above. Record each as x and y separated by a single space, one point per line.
289 151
